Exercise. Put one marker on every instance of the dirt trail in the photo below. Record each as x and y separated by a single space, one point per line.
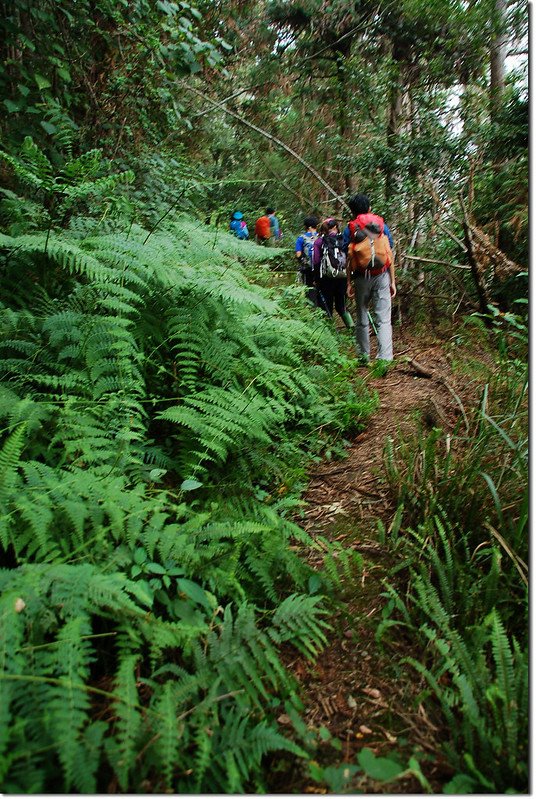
351 689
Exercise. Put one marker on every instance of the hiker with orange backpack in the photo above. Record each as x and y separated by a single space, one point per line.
262 230
370 276
267 228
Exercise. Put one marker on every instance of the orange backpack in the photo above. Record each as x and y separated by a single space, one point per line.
369 251
262 227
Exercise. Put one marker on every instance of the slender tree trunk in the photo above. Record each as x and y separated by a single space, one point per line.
496 98
344 119
393 123
497 61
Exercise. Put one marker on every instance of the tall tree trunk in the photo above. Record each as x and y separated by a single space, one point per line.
497 60
496 98
343 115
393 122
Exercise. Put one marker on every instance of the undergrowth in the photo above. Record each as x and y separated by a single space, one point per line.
158 412
460 586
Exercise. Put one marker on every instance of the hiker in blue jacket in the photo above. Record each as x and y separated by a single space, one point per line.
238 226
304 254
275 229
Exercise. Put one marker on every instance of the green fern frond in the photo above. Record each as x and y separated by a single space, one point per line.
68 705
128 722
169 729
298 619
9 461
506 680
33 167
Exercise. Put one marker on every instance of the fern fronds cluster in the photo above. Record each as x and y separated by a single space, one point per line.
461 533
55 622
473 667
153 403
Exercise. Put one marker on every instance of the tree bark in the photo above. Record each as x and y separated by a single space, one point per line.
496 98
344 120
497 60
393 122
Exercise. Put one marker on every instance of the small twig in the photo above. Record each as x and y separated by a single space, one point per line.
121 131
169 210
439 410
367 493
447 385
321 475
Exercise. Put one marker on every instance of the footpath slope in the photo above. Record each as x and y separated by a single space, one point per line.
355 689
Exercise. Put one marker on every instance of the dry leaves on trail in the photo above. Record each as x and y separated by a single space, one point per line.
349 689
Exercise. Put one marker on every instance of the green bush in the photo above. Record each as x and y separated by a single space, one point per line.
158 409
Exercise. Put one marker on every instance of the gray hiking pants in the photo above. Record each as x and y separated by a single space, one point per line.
374 292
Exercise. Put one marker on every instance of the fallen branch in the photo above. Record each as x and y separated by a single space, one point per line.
420 370
266 135
434 261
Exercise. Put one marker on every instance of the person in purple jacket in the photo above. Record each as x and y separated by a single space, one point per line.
331 290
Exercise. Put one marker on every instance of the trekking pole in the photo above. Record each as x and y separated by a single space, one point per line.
371 320
326 309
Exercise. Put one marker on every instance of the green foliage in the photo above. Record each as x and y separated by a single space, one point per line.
507 137
475 671
461 535
79 180
223 675
155 406
384 771
487 455
80 72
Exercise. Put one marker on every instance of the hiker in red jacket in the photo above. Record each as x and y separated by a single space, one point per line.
267 228
374 287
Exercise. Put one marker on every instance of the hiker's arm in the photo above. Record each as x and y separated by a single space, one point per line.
388 234
392 287
299 247
346 238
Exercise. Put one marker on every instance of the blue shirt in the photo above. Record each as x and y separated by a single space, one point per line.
239 227
274 226
346 236
304 244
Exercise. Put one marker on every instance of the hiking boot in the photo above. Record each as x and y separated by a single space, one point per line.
347 319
